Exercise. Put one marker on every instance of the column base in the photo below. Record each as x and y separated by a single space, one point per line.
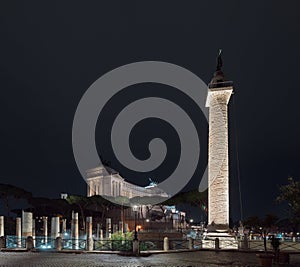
224 239
220 228
89 244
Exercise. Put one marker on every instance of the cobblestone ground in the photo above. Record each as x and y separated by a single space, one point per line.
186 259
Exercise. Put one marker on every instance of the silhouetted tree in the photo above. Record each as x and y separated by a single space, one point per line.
100 204
269 220
9 193
253 222
81 202
49 207
290 193
194 198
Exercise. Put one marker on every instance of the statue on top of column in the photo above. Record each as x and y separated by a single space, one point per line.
219 60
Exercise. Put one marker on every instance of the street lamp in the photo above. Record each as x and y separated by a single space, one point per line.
135 210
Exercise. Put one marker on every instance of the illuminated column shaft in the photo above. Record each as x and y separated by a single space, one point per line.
1 226
26 224
89 189
89 233
45 227
19 232
218 162
54 227
75 230
98 231
89 227
64 226
33 231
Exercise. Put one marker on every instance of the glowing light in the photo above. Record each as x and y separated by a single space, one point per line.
135 208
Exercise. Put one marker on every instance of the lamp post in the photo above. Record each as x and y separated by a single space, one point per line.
135 243
191 223
135 209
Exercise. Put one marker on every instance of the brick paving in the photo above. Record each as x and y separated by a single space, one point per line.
186 259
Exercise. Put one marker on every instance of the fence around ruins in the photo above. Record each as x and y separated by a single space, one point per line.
46 243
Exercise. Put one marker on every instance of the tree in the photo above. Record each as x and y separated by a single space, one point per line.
50 207
197 199
253 222
81 202
290 193
194 198
270 220
9 193
99 204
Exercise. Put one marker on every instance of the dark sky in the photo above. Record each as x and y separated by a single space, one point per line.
52 51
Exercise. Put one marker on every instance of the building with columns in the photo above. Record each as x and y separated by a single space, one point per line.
105 181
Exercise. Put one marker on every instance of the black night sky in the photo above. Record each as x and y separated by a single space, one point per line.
52 51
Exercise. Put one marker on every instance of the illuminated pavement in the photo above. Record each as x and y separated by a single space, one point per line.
199 258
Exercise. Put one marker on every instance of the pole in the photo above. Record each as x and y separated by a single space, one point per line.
135 232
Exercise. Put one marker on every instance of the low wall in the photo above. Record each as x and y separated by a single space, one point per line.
159 235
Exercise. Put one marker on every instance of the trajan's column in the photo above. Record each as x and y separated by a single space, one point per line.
219 92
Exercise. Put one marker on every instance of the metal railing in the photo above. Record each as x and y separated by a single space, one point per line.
113 245
197 244
174 244
151 245
284 245
178 244
78 244
15 242
290 246
40 242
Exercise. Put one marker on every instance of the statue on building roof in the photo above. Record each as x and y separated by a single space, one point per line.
152 183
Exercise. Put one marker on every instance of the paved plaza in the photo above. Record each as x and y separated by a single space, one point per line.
199 258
